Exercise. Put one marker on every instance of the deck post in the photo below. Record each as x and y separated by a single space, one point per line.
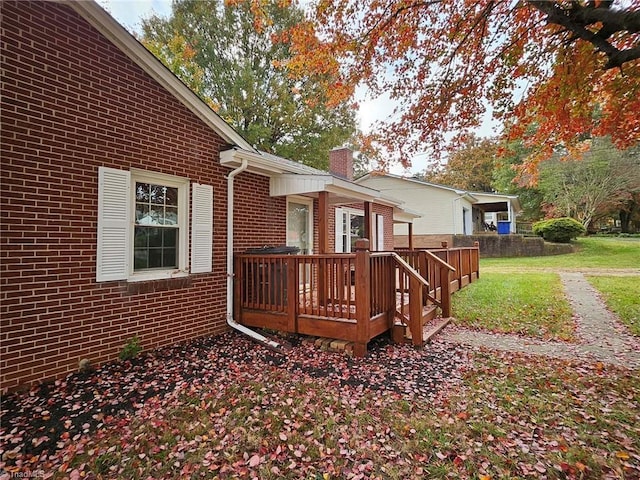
445 291
293 294
363 296
415 311
323 244
476 258
238 286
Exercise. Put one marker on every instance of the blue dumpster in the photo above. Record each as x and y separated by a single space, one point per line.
504 227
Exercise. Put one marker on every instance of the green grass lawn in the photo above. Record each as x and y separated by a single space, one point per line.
622 295
531 303
592 252
512 417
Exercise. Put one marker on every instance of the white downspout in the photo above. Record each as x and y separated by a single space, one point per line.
230 321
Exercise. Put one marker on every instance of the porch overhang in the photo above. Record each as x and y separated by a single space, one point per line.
493 207
340 191
402 215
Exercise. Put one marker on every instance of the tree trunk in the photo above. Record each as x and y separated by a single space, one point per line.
625 219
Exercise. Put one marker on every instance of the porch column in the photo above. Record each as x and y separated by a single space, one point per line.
367 223
410 236
323 222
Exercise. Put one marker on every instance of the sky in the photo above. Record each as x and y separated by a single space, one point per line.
130 13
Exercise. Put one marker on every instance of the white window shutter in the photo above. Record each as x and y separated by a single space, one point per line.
339 232
201 228
380 231
114 198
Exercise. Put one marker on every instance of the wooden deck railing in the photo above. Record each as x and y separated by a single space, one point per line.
351 297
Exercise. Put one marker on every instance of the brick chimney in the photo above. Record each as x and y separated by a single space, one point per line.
341 162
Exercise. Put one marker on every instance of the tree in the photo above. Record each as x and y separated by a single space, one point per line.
231 54
572 67
601 182
469 168
507 179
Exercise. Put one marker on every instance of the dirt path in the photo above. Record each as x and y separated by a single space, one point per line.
600 334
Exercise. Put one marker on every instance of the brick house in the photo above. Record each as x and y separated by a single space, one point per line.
124 197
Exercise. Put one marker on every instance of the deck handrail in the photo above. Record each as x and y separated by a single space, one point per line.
409 269
417 286
440 261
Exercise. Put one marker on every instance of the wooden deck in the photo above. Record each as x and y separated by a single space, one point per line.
353 297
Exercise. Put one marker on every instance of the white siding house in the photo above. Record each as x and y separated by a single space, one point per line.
445 211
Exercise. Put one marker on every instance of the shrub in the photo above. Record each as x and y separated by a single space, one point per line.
131 349
560 230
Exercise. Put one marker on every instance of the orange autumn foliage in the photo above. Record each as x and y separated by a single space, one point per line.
571 69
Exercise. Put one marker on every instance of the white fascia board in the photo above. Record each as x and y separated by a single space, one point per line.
260 164
404 216
127 43
359 192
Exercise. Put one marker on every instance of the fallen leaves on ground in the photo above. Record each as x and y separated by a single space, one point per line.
228 408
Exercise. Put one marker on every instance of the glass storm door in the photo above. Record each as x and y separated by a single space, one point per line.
300 225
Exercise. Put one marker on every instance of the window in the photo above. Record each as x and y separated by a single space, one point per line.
157 227
143 228
300 224
349 228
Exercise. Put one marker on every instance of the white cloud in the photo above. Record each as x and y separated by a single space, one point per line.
131 12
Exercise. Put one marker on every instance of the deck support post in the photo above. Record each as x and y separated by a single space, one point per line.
363 296
323 244
445 292
415 311
293 295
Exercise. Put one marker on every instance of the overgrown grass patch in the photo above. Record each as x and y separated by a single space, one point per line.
622 295
530 303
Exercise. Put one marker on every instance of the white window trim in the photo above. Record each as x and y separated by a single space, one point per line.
378 238
339 247
303 201
182 184
116 224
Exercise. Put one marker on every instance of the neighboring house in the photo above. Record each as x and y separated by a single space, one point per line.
125 197
444 211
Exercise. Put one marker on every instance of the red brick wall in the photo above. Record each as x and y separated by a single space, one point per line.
72 102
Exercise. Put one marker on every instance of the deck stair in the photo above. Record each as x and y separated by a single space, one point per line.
401 330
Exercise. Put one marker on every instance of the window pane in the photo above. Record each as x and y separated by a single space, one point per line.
156 194
171 196
155 237
142 192
155 215
142 214
141 237
155 257
170 216
140 260
169 258
170 237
